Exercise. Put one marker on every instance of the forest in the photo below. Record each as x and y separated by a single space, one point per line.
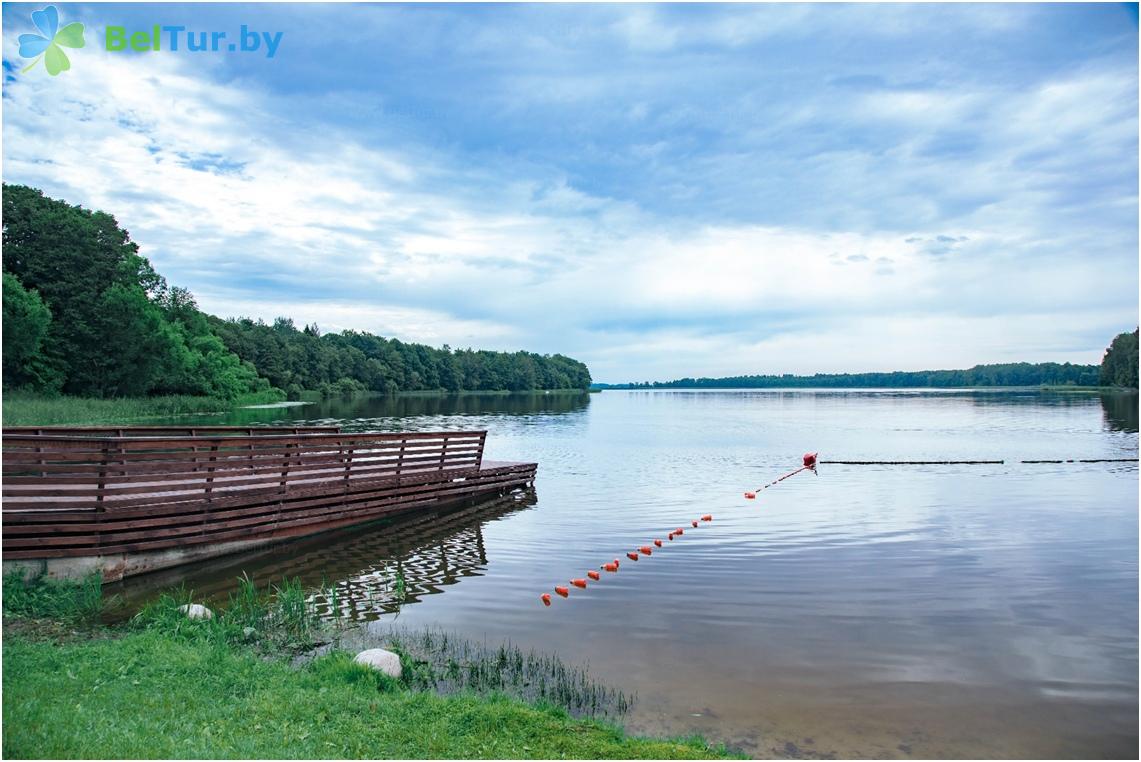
1119 369
86 314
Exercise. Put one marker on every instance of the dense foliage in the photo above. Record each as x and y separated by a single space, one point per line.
1007 374
295 359
85 314
1119 366
89 315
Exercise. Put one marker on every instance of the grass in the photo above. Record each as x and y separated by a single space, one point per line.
164 686
69 602
22 409
148 695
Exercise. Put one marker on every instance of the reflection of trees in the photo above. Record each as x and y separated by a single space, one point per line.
359 564
343 410
1120 411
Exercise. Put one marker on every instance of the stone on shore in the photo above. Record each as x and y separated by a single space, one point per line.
196 611
380 659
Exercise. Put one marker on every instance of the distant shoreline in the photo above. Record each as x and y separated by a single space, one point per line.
1031 388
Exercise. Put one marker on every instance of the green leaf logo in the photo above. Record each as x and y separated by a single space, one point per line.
48 45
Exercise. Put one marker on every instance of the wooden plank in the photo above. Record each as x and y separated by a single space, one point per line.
353 512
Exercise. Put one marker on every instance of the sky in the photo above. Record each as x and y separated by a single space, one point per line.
660 191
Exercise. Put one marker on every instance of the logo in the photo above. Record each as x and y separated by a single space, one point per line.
48 45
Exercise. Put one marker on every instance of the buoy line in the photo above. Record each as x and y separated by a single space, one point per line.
967 462
563 591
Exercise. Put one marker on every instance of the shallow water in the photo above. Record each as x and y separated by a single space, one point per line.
869 611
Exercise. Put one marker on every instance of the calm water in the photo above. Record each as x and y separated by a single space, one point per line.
927 611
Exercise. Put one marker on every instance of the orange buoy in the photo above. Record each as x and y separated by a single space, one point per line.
646 550
632 556
610 567
707 517
546 597
658 543
594 575
578 582
564 592
694 524
750 495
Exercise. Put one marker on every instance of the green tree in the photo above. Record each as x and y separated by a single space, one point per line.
114 327
26 323
1119 366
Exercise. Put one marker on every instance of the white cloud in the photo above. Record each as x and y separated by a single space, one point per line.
894 256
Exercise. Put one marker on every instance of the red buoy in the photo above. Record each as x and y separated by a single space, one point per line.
579 582
658 543
750 495
707 517
610 567
564 592
546 598
632 556
810 460
594 575
646 550
694 524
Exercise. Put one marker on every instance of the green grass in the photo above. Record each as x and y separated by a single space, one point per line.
151 695
164 686
65 601
21 409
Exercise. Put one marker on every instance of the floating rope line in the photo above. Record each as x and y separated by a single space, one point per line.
648 550
966 462
913 462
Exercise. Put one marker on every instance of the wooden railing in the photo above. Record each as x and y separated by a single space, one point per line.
110 473
84 495
164 431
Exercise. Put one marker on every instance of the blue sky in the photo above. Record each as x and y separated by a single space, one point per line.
660 191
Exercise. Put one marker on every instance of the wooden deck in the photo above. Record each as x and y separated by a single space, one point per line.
133 499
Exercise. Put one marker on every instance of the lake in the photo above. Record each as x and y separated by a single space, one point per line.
867 611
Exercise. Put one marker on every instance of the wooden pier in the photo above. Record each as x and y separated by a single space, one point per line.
129 500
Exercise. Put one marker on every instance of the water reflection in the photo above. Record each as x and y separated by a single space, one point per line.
352 572
1120 411
369 407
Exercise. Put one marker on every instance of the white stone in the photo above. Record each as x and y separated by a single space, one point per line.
385 661
196 611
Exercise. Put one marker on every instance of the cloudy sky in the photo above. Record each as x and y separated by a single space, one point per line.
660 191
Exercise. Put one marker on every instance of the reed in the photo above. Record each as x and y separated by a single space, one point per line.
441 662
23 409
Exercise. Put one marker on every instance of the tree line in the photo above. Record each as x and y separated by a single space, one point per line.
1119 366
1003 374
295 359
86 314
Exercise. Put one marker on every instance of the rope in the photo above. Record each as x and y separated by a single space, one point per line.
648 549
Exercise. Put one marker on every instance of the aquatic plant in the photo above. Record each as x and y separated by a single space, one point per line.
441 662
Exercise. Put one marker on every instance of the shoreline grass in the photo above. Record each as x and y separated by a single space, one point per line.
22 409
165 686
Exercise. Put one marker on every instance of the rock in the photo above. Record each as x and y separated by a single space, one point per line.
385 661
196 611
249 632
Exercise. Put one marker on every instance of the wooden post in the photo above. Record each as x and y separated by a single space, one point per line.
479 452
